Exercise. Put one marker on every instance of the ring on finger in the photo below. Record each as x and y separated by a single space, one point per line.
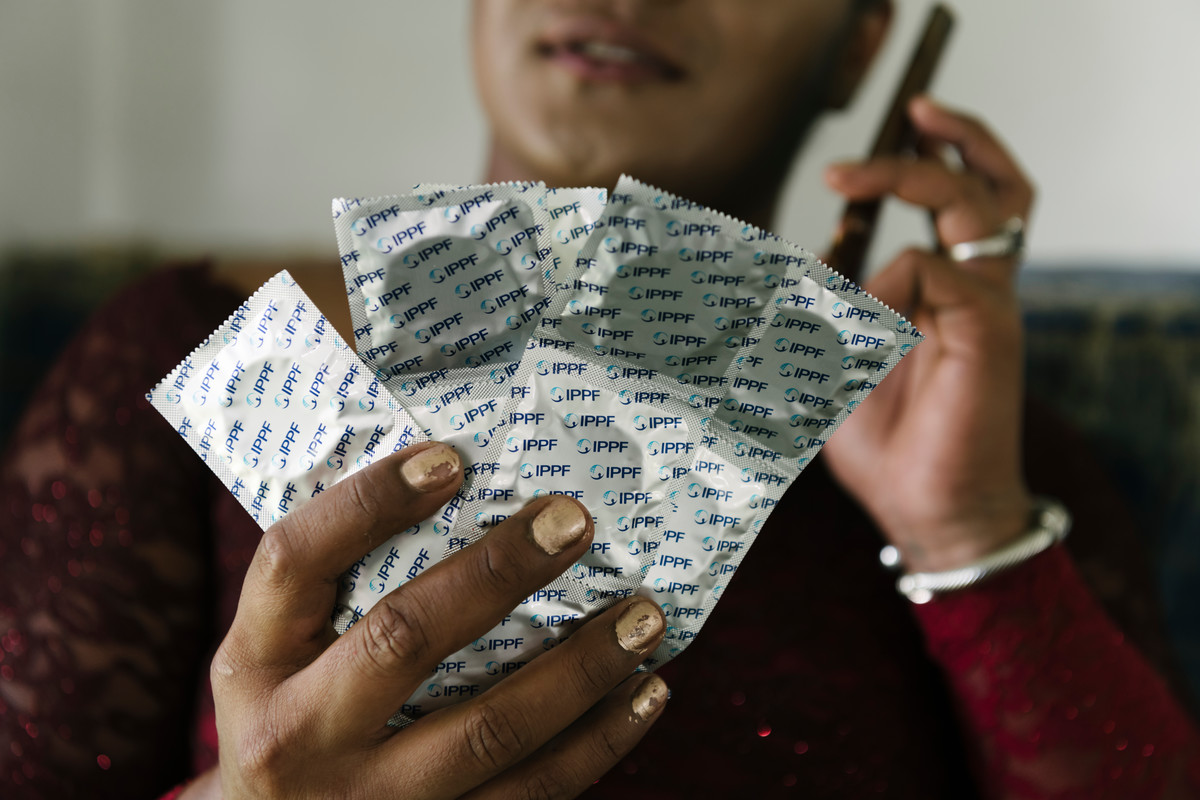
1009 243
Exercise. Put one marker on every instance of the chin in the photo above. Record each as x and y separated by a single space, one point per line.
575 154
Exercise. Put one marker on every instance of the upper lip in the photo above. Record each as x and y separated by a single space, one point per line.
574 32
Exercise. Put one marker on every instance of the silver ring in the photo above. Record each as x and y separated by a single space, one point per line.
1009 243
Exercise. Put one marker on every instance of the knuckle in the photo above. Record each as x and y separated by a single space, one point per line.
365 494
261 760
493 738
910 258
589 673
278 563
608 747
223 667
500 566
392 638
545 784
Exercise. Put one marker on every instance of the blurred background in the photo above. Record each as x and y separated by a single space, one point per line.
229 124
133 131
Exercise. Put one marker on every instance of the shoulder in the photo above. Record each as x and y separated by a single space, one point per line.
175 299
155 321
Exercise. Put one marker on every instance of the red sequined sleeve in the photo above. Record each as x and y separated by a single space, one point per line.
105 595
1058 704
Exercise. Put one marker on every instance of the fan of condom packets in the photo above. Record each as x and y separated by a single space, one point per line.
672 368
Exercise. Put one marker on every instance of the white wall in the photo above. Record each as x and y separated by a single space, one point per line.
229 124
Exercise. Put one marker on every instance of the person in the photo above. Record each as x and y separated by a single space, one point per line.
812 676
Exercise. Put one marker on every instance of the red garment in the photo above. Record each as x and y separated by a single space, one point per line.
812 678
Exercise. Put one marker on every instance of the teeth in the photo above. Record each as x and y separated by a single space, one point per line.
603 51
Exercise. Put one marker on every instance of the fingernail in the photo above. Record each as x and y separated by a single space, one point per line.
638 625
431 469
560 524
649 697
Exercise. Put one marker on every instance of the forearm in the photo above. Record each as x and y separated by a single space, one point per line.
1055 700
104 570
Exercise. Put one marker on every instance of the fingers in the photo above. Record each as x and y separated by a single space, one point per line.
962 201
968 203
283 613
979 148
972 325
478 739
369 672
589 748
924 182
961 307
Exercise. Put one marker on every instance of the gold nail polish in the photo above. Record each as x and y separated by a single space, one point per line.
431 469
638 625
560 524
649 698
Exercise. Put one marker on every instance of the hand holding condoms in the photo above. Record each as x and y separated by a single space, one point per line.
672 368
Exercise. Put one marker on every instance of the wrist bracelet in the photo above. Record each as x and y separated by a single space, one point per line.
1049 526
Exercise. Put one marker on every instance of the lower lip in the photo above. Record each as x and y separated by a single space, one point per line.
590 69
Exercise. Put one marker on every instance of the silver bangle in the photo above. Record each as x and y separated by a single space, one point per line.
1050 524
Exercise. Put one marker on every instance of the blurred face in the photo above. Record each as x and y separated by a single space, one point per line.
687 94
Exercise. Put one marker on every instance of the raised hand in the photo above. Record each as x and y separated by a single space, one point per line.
303 713
934 453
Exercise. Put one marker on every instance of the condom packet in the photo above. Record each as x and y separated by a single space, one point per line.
381 273
444 287
754 347
572 213
676 449
278 406
597 394
410 260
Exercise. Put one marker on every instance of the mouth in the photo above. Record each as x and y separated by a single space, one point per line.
607 51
